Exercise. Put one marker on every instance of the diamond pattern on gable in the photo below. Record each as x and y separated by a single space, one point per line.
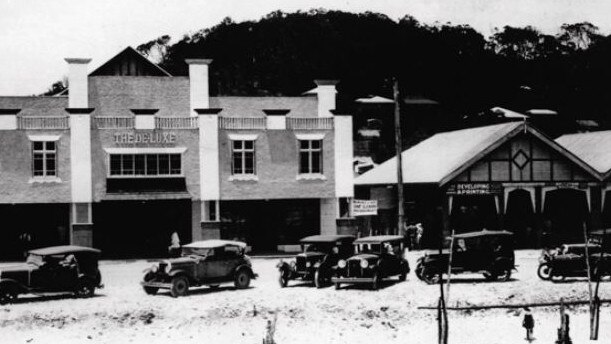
520 159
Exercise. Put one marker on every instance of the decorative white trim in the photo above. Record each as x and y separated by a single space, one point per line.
450 201
44 137
276 122
310 136
311 176
603 196
145 150
243 177
497 203
43 179
242 137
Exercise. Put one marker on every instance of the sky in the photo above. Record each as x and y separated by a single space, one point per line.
36 35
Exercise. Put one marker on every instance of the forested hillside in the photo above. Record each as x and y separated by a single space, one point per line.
518 68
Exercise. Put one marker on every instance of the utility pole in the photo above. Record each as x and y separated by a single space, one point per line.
398 149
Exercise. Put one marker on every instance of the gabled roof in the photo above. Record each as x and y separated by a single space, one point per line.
442 157
375 100
593 148
130 52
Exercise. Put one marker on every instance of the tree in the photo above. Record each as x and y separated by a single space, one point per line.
578 36
57 87
156 49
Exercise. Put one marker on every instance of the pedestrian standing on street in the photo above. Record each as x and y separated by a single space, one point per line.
174 248
529 324
25 241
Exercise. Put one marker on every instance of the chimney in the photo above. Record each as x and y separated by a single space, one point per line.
326 97
78 95
198 84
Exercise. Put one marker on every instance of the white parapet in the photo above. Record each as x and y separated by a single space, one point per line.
144 122
8 122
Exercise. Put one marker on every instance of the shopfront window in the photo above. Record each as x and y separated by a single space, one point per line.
145 165
310 156
243 157
44 158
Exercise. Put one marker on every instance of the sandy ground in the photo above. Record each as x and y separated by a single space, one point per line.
123 313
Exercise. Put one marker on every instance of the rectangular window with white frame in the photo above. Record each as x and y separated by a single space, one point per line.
243 158
145 165
310 157
44 159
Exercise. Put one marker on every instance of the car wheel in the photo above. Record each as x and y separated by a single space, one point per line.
544 272
242 279
490 276
151 290
180 286
505 276
418 271
403 274
431 277
319 280
283 279
7 296
85 289
375 284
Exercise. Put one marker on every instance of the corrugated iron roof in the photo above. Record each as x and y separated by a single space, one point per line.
435 158
593 148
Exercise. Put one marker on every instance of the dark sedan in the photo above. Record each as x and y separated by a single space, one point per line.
72 269
318 259
378 257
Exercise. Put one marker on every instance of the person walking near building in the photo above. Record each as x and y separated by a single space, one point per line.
529 324
174 248
25 243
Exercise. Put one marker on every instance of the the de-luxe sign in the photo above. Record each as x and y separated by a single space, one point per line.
364 207
145 138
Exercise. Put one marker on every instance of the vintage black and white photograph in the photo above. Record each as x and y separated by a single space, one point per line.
305 171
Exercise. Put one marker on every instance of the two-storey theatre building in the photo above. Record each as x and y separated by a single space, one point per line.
133 154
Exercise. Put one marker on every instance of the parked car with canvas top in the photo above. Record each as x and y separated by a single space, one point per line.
202 263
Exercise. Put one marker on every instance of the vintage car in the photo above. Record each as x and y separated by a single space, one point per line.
377 257
72 269
569 261
202 263
488 252
320 255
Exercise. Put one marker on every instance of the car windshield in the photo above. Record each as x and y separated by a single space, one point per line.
369 248
34 259
193 251
316 247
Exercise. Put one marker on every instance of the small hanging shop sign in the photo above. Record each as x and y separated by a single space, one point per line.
475 189
363 207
